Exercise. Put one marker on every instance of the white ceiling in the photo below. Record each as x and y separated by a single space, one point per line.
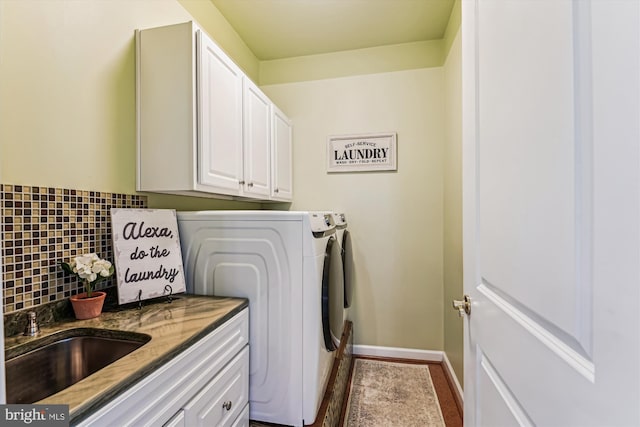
275 29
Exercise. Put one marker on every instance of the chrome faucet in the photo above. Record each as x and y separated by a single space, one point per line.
32 328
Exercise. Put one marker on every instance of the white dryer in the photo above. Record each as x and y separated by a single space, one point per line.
343 237
286 264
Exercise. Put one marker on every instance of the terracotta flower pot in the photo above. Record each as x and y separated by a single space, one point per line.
88 308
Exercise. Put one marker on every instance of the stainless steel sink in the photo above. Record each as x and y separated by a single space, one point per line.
44 367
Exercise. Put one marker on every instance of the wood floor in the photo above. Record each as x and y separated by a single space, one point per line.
451 412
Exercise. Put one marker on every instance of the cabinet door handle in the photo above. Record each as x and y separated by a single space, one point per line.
276 191
241 182
227 405
250 184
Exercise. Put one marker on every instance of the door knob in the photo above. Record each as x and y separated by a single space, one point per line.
463 306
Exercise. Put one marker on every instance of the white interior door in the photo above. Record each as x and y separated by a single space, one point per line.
551 212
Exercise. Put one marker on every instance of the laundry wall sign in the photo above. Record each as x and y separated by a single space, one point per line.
147 253
359 153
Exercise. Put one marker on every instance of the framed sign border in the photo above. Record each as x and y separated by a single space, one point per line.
393 157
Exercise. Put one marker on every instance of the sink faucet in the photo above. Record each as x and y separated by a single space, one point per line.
32 328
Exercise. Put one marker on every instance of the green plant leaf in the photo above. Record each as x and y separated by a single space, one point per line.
66 267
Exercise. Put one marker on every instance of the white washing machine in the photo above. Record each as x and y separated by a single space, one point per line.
286 264
344 238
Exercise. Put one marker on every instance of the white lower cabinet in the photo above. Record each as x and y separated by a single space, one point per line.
205 385
221 401
243 418
177 420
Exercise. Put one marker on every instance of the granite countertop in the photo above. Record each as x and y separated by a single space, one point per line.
172 327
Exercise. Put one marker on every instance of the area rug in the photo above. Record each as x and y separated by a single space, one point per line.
386 394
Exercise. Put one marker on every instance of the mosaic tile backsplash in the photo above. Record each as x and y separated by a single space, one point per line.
42 226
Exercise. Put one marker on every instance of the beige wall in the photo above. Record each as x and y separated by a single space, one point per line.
67 107
210 18
67 92
452 224
381 59
395 217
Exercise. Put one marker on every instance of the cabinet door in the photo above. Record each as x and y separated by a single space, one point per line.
221 401
281 154
219 157
176 421
257 133
243 418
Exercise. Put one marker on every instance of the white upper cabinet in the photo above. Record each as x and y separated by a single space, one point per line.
219 83
257 134
204 128
281 156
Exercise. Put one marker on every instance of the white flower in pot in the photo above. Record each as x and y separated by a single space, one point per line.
91 270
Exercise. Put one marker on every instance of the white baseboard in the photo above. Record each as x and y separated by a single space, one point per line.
398 353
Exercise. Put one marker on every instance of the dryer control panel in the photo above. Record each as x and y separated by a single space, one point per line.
340 220
321 223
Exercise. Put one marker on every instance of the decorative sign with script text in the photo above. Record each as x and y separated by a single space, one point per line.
147 253
354 153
